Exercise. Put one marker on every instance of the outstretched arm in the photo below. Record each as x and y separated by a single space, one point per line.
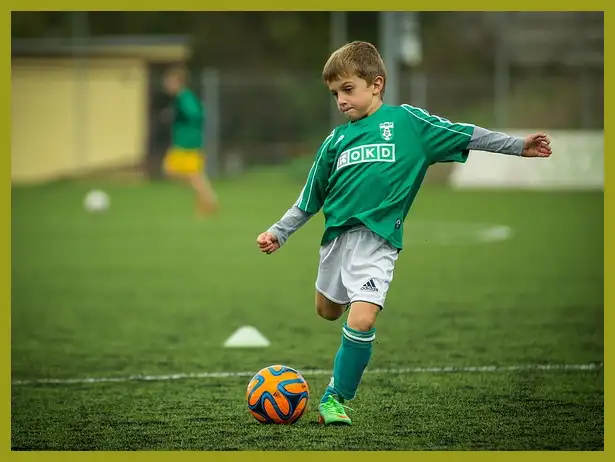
446 141
535 145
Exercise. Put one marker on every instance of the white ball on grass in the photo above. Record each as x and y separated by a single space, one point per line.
96 201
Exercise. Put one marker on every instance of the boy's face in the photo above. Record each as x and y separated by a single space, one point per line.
172 84
355 98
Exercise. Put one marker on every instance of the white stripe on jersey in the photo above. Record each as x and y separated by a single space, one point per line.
314 165
407 106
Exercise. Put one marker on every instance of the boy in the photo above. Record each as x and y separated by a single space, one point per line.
365 178
185 160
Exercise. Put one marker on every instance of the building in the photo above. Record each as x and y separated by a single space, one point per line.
83 107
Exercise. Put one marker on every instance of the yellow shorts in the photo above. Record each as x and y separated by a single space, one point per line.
183 161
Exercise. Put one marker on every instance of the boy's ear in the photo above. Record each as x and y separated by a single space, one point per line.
378 84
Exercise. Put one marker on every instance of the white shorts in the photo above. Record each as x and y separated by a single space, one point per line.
356 266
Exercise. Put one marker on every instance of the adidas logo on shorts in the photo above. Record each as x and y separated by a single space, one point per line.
370 286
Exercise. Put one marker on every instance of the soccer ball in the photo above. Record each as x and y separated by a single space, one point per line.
96 201
277 395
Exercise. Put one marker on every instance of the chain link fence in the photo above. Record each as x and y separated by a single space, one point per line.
262 119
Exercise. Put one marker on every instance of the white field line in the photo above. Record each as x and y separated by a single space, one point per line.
313 372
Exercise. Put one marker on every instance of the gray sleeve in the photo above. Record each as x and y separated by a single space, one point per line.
486 140
293 219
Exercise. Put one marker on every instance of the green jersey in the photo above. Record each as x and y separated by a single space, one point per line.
369 171
187 128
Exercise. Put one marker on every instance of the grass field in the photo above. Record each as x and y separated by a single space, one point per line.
148 289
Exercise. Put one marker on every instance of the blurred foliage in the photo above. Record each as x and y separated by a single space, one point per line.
270 65
293 40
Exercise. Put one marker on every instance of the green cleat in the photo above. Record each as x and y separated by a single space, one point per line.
332 412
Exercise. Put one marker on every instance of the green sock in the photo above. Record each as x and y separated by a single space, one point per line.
350 362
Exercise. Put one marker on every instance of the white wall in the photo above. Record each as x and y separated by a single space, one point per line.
50 101
577 162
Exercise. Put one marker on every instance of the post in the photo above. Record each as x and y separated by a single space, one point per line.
389 44
338 36
411 54
502 74
210 96
80 49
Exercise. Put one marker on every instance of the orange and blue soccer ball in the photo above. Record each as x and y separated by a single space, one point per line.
277 395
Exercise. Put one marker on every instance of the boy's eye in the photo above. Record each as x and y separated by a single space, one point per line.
348 89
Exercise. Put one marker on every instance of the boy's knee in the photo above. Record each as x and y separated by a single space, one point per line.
362 316
327 309
328 314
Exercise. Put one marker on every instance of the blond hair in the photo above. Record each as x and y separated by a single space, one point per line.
355 59
179 72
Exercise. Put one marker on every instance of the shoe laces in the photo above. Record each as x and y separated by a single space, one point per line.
335 405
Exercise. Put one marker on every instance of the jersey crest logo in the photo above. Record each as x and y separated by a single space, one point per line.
386 131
